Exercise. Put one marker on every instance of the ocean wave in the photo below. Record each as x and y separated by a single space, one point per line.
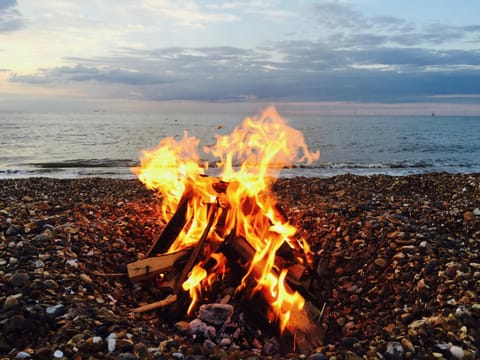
86 163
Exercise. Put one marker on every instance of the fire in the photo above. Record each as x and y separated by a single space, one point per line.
251 158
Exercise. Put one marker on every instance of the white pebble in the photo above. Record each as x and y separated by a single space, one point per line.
112 342
58 354
23 355
457 352
476 212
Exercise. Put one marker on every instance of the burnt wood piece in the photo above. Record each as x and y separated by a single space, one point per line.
212 211
303 332
147 268
174 226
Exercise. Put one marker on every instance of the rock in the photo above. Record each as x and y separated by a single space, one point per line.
111 342
126 356
19 279
43 353
182 326
215 314
457 352
14 230
55 310
468 216
476 212
141 351
58 354
394 351
86 279
317 356
225 342
23 355
11 301
178 356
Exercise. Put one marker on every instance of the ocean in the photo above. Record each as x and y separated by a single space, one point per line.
105 144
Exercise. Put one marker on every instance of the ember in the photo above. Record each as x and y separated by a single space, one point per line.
215 223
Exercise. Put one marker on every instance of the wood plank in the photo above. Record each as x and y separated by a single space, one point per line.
147 268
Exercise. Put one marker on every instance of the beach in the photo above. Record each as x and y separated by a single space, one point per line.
397 275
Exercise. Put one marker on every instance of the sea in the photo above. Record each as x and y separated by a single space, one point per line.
108 144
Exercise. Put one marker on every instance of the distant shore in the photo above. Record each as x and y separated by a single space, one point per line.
397 268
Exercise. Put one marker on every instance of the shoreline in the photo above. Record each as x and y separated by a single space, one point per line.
398 267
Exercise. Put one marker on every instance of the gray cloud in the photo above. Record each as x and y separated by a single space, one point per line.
307 71
81 73
10 18
353 29
360 59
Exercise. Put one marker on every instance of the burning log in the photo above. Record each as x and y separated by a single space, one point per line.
191 260
301 327
173 228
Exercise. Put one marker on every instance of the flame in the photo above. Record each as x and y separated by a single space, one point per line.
251 158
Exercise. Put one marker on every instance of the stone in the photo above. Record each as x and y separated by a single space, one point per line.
126 356
182 326
394 351
457 352
19 279
317 356
86 279
215 314
23 355
43 353
55 310
11 301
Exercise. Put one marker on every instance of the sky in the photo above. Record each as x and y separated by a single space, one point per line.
369 56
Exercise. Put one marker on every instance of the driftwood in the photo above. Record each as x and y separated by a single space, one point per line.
170 299
147 268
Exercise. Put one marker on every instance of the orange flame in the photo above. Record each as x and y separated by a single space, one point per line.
251 158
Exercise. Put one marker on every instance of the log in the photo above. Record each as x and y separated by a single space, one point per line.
212 211
304 333
170 299
173 228
147 268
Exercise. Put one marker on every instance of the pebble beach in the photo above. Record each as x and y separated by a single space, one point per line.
397 271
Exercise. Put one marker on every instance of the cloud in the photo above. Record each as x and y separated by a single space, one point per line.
359 58
81 73
10 18
306 71
352 29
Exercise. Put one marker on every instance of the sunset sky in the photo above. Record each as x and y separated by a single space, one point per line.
376 54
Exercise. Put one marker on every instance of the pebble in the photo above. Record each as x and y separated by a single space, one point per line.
216 313
126 356
457 352
11 301
19 279
23 355
394 351
86 279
